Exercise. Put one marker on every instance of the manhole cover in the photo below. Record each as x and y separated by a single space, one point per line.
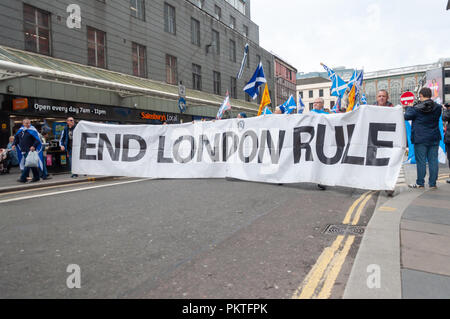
344 230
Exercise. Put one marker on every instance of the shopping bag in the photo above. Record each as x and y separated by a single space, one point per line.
32 159
49 160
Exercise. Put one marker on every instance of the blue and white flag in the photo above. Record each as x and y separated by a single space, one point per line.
441 152
289 106
244 60
352 80
300 105
363 99
266 111
257 79
226 105
32 130
338 85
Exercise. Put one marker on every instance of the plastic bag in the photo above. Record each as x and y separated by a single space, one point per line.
32 159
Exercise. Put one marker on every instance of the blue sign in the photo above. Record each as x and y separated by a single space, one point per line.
182 105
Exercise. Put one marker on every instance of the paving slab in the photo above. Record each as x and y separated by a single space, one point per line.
428 214
423 285
429 228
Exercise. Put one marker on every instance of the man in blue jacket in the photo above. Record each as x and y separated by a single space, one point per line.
65 142
425 135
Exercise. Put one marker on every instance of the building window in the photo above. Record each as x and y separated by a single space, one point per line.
232 22
216 42
171 70
331 104
137 9
217 83
311 105
96 47
321 93
301 94
217 12
195 32
310 94
245 31
200 3
232 51
258 58
36 29
233 87
169 19
139 60
196 77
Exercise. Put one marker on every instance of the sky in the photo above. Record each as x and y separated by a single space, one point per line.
370 34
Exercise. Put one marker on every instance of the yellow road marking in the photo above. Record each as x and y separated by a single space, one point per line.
334 272
331 258
352 208
387 209
311 281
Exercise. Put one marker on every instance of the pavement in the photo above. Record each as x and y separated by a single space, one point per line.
9 183
405 251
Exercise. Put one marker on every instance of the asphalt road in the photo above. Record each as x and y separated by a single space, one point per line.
210 238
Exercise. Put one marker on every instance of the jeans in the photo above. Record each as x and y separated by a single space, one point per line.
44 173
26 171
424 153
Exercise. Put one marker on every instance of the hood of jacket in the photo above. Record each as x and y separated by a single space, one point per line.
425 106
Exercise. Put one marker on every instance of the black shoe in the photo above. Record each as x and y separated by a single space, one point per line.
321 187
47 177
74 175
34 180
448 181
390 193
22 181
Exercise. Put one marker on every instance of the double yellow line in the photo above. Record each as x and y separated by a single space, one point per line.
320 280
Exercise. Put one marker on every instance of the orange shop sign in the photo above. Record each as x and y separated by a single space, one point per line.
153 116
20 104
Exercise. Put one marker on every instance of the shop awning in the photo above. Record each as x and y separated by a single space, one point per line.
16 63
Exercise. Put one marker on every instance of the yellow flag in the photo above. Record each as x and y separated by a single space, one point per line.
265 100
351 99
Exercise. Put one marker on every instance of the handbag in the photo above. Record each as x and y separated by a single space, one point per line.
32 159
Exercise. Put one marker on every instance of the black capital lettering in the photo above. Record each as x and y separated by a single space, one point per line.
176 149
340 144
299 145
84 146
347 159
373 144
161 158
126 145
266 139
254 138
234 144
113 153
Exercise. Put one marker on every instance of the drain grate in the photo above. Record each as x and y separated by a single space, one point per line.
344 230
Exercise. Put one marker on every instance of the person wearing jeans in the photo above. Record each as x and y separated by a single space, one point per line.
425 135
27 140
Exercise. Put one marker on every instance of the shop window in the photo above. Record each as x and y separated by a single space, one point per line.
96 47
139 60
36 29
171 70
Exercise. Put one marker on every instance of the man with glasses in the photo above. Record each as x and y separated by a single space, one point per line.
66 139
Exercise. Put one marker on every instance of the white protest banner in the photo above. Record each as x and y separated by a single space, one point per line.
361 149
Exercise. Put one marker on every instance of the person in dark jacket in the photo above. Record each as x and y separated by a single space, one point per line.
66 139
27 140
446 118
425 135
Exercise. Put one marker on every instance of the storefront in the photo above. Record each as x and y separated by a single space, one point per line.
50 116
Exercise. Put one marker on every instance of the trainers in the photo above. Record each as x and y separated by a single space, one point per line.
321 187
47 177
21 181
433 187
415 186
74 175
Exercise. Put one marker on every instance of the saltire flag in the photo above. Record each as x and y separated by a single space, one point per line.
33 131
265 100
244 60
441 152
257 79
266 111
352 80
300 105
353 97
338 85
363 99
289 106
226 106
337 106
